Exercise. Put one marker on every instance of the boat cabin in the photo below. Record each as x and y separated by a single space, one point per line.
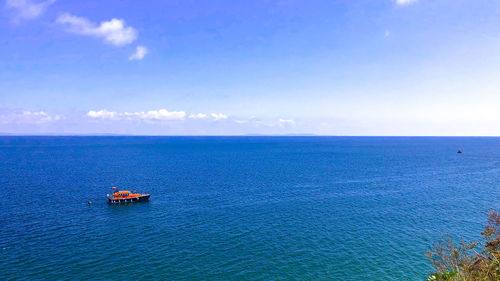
121 194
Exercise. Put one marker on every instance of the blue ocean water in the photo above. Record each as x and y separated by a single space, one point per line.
239 208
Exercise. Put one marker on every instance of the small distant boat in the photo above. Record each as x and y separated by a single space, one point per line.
459 151
125 196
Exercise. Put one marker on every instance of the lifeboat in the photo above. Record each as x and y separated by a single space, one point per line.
125 196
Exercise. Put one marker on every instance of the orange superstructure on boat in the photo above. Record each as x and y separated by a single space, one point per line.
125 196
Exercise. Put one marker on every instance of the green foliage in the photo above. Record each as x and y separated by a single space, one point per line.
442 276
474 261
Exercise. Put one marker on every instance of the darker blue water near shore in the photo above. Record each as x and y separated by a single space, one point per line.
239 208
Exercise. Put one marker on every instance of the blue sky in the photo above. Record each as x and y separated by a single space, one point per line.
385 67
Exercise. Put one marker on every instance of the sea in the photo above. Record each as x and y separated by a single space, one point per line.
239 208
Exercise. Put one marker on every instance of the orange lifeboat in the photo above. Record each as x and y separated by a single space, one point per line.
125 196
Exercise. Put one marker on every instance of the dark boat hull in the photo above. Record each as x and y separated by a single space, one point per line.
142 198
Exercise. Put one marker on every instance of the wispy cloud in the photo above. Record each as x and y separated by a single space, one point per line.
152 115
114 32
27 116
405 2
39 116
151 122
198 116
102 114
286 122
161 114
27 9
139 54
218 116
211 116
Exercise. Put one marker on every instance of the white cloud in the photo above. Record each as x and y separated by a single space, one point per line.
39 116
114 31
211 116
405 2
139 54
27 9
27 116
286 122
102 114
152 115
198 116
387 33
218 116
161 114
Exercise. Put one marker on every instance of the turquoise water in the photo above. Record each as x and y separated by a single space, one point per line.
239 208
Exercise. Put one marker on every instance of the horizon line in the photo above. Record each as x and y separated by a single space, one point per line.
242 135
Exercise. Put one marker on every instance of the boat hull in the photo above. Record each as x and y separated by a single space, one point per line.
142 198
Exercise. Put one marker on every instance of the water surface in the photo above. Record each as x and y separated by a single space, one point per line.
239 208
